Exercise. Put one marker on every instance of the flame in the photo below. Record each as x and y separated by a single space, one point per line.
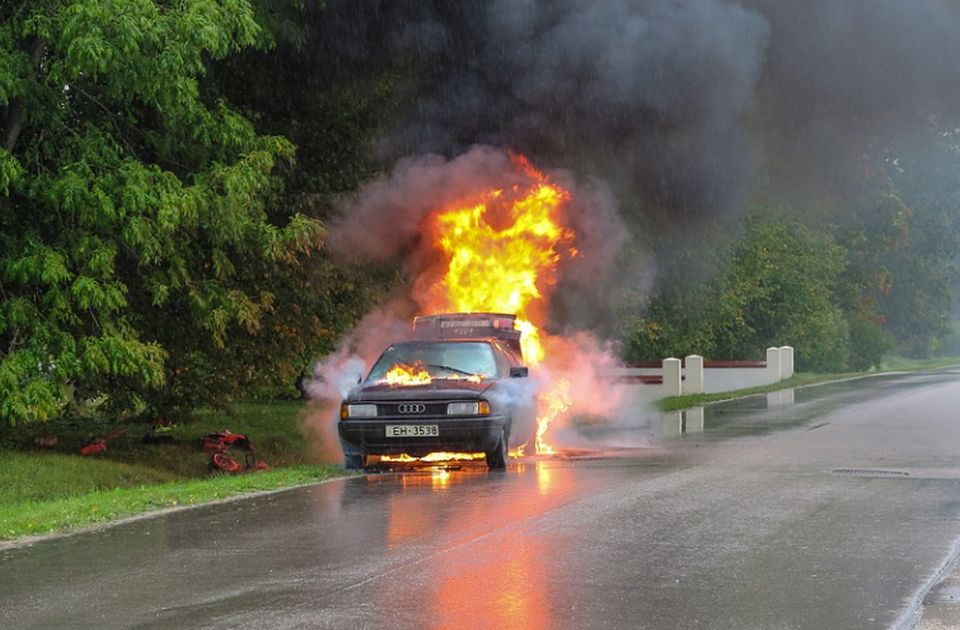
502 249
439 456
443 456
552 402
404 375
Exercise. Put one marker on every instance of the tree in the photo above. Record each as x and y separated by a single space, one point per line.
924 276
135 245
781 286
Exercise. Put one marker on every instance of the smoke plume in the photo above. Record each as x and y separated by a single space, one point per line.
678 106
643 94
845 80
386 222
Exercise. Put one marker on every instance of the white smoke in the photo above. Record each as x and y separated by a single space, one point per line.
337 374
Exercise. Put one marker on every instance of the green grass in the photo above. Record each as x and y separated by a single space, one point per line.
674 403
26 517
45 491
893 364
273 427
897 364
50 476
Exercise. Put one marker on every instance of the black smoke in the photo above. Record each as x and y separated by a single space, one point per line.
678 104
645 95
845 81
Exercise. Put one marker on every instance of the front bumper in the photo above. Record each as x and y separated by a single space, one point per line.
468 434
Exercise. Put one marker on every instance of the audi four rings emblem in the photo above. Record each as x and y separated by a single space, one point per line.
412 408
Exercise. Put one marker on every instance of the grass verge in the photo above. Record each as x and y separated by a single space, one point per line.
902 364
894 364
48 490
26 517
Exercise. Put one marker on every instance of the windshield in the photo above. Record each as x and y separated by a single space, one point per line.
445 360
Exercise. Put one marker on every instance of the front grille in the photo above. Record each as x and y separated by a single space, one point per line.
411 409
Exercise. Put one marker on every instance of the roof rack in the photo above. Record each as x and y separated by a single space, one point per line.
500 326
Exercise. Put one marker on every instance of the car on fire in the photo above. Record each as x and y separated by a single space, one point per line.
457 385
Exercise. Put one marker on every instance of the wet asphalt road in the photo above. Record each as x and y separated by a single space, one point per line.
836 511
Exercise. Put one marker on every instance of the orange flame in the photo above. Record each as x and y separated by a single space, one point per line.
403 375
552 402
502 250
441 456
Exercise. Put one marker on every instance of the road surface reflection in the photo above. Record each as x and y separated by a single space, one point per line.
467 561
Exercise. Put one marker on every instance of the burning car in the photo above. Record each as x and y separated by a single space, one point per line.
459 384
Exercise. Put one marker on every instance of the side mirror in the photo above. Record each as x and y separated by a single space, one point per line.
519 372
359 378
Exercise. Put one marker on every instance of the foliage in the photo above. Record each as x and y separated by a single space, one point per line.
334 108
780 287
133 205
924 276
870 342
782 290
876 273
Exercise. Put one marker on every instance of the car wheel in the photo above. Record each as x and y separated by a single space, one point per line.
354 462
497 458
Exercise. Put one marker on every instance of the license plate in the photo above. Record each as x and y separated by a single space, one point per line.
412 430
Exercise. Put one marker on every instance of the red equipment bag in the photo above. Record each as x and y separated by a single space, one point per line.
218 444
219 461
98 444
93 446
222 440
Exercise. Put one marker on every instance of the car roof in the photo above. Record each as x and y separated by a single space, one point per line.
489 340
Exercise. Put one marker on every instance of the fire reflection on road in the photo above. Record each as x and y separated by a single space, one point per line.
469 564
505 588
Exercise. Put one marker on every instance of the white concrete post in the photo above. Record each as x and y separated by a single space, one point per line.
693 384
671 377
786 361
773 365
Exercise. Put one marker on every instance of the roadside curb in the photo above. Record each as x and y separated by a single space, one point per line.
913 612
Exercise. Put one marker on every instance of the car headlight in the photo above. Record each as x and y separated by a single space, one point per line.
358 411
481 408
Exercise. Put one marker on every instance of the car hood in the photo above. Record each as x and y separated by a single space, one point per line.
438 389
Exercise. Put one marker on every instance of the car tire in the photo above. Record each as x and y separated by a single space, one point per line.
497 458
354 462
